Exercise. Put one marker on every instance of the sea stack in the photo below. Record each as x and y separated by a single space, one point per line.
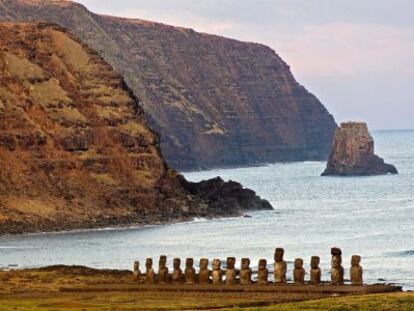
353 153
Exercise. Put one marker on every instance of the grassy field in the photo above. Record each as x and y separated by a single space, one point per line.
150 301
377 302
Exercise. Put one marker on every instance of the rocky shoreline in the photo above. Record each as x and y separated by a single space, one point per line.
108 223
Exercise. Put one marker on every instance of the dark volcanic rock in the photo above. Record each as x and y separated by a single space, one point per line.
75 149
226 197
215 101
353 153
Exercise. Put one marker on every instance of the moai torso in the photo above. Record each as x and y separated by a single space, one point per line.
190 274
315 272
204 273
280 266
245 272
356 271
231 272
217 273
137 272
337 271
149 272
299 272
263 273
163 270
177 275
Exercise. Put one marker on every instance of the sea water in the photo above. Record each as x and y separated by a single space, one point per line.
368 216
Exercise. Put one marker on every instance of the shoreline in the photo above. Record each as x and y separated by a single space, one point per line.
126 227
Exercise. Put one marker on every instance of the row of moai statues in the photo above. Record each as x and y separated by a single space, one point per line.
232 276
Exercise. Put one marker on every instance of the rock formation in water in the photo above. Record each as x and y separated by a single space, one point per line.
215 101
75 150
353 153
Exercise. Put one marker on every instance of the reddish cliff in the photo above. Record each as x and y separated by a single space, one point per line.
353 153
75 150
215 101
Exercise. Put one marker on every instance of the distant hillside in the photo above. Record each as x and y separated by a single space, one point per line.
75 150
215 101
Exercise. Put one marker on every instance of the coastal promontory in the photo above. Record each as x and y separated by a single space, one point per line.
75 148
353 153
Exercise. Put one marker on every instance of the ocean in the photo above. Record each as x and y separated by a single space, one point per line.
368 216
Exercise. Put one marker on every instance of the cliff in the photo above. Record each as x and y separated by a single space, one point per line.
215 101
353 153
75 150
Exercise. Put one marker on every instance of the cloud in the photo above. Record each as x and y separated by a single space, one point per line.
349 49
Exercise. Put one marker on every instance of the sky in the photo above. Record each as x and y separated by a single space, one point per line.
356 56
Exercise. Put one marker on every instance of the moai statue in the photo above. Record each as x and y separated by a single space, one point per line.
231 272
190 274
337 271
137 272
263 273
299 272
149 273
204 273
163 270
245 272
177 275
315 272
217 273
280 266
356 270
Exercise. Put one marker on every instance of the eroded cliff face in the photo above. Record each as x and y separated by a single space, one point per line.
215 101
353 153
75 150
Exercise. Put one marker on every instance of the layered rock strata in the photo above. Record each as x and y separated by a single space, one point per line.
75 149
215 101
353 153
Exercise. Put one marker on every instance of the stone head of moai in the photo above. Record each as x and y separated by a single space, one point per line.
231 262
262 264
216 264
231 272
337 271
176 263
279 252
355 260
203 263
315 272
245 263
189 263
148 263
177 275
204 273
163 261
245 272
298 263
315 261
336 261
280 266
336 257
335 251
263 273
136 265
299 271
190 274
356 270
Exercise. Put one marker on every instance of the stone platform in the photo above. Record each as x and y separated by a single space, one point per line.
248 289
